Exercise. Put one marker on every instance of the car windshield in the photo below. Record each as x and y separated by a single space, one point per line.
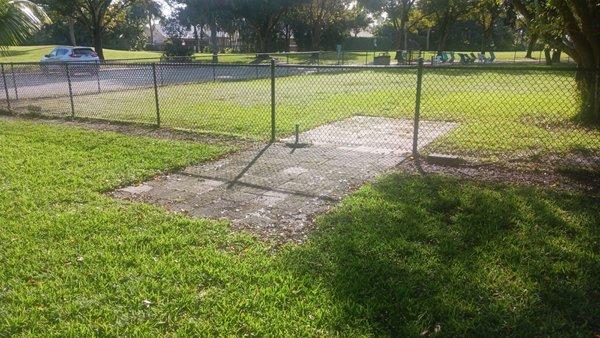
84 51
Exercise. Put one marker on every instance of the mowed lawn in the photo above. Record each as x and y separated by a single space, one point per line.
35 53
403 256
496 111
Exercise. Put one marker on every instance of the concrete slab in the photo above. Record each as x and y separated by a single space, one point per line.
275 191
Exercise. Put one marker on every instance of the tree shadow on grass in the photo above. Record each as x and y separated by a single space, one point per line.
414 254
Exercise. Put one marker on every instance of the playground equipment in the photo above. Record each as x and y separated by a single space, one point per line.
483 59
443 57
466 59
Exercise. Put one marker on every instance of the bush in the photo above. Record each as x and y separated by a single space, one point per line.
359 44
176 51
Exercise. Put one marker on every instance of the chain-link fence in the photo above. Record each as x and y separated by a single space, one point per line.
480 114
364 58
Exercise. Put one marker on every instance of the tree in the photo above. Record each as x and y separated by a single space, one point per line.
127 29
571 26
526 20
263 17
359 20
98 14
18 20
445 13
209 12
62 11
419 21
486 13
397 11
311 21
150 11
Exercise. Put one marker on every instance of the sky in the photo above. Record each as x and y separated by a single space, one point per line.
165 7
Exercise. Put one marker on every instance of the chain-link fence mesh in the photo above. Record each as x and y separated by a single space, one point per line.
505 114
480 114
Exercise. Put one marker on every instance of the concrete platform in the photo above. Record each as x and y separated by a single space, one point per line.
275 191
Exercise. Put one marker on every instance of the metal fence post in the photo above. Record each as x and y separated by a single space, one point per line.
70 89
415 150
156 95
162 77
597 94
214 72
272 100
5 86
12 70
98 78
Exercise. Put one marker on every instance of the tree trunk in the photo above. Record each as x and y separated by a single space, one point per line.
72 39
556 56
196 39
316 37
151 28
531 46
589 89
288 36
445 31
97 37
588 83
398 38
202 38
264 40
213 41
548 56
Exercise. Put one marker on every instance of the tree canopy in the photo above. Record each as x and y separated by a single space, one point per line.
18 20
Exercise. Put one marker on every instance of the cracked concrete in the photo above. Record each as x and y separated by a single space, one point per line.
275 191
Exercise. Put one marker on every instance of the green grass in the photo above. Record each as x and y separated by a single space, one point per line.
495 111
410 252
397 258
35 53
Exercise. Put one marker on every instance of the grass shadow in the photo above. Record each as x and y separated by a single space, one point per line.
413 254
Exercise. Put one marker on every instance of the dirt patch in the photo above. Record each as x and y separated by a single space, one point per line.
569 172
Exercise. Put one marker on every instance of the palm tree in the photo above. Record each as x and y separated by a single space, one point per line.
18 20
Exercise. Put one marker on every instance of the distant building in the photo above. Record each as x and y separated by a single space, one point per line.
157 37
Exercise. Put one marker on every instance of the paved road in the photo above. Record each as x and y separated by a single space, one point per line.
29 82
